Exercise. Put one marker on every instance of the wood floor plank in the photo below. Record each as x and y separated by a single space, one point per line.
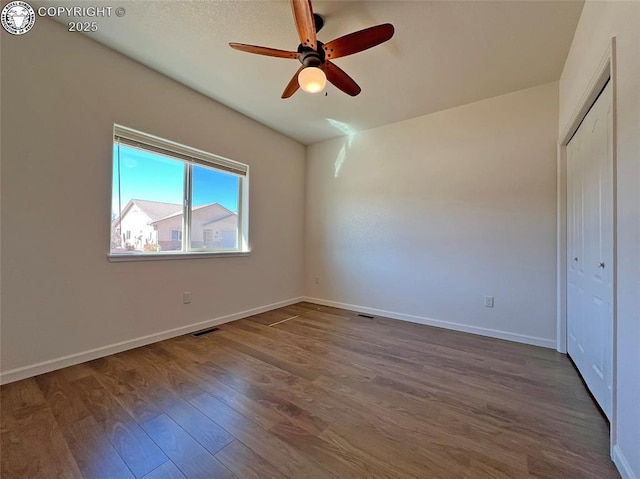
408 349
169 382
287 388
168 470
284 457
440 381
293 413
204 430
326 405
449 427
192 459
294 363
94 454
367 347
164 370
261 414
127 386
548 463
18 395
257 402
245 463
32 446
329 394
135 447
92 450
275 361
341 458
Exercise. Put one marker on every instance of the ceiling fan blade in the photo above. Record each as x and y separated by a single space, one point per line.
340 79
270 52
293 85
303 16
358 41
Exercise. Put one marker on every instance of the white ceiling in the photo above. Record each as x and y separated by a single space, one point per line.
443 54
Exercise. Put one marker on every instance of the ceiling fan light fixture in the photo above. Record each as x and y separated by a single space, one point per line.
312 79
317 57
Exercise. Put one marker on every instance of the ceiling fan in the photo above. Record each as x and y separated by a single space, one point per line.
316 56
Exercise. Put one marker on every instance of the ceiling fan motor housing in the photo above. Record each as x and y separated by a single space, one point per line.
309 57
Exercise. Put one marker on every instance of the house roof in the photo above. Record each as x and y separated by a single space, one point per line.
219 211
155 210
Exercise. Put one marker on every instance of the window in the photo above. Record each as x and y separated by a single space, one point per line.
183 201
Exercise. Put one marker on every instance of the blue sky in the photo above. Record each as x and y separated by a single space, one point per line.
148 176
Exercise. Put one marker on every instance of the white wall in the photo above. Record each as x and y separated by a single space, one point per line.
423 218
61 94
600 21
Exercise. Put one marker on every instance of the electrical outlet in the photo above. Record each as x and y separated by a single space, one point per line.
317 280
488 301
186 297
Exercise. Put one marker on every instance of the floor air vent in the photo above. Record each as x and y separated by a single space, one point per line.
366 316
203 332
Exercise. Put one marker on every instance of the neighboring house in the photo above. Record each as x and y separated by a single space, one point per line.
153 225
212 226
133 230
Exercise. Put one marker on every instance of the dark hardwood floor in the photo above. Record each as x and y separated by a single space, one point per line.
327 394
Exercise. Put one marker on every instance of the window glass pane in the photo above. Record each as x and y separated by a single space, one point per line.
214 212
147 202
155 182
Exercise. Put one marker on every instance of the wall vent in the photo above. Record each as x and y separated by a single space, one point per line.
203 332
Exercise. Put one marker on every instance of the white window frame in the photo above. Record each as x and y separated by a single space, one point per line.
190 156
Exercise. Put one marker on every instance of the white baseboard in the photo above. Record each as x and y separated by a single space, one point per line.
77 358
492 333
622 464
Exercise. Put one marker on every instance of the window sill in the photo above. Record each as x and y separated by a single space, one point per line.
117 258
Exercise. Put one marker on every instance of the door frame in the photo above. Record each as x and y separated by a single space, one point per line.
605 71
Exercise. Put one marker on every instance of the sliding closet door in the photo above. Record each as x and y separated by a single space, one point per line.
590 250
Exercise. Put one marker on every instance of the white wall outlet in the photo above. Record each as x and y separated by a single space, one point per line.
488 301
186 297
317 280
